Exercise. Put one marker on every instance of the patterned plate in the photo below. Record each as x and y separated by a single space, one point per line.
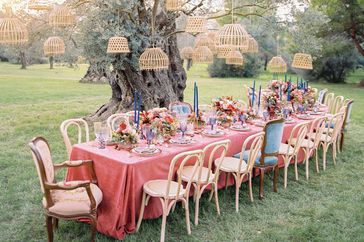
240 128
145 151
183 142
208 133
305 117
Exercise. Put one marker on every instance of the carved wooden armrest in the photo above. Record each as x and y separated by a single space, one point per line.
72 185
78 163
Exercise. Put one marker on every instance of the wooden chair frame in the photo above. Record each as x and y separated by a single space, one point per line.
347 104
48 186
337 104
321 99
180 103
78 122
329 100
112 119
167 201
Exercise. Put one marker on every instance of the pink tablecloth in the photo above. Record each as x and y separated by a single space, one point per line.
121 178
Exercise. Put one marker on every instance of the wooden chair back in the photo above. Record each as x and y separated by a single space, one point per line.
298 134
335 123
180 108
219 147
255 141
82 127
329 99
321 96
337 104
316 130
116 119
348 104
43 161
194 158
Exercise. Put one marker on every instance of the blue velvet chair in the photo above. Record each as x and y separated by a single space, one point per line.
180 108
268 157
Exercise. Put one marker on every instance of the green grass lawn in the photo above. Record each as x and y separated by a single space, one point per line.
328 207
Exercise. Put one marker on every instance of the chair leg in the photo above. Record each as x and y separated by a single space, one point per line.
276 169
334 152
342 141
251 188
317 161
93 227
285 175
49 228
307 154
324 157
141 213
261 184
164 220
197 203
187 213
227 180
296 168
55 223
237 188
217 199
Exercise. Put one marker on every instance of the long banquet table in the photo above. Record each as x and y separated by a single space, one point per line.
121 177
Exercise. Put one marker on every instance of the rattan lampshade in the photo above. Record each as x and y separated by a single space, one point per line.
233 35
302 61
202 54
214 36
39 5
252 46
117 45
186 53
61 16
12 31
54 46
174 5
235 58
204 40
277 65
223 51
196 24
153 59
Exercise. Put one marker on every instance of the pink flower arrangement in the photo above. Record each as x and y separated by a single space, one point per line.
125 134
161 119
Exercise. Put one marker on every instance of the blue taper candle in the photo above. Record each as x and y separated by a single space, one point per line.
135 107
289 91
260 93
280 92
196 101
194 97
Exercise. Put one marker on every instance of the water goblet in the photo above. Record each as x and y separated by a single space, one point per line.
183 128
265 116
243 119
212 122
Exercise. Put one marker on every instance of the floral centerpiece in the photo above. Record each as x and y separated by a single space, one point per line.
125 136
226 108
272 103
160 119
197 121
275 86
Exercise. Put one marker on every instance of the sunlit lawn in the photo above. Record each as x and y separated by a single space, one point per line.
328 207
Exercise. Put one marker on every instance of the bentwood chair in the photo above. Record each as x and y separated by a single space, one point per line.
242 166
315 91
116 119
337 104
65 200
289 150
330 135
321 96
180 108
348 104
170 192
329 100
268 157
82 127
205 176
311 143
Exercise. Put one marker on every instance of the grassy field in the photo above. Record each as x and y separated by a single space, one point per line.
328 207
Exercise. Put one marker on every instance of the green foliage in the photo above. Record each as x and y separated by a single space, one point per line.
220 69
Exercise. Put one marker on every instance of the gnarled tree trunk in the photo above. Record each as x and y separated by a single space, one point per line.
23 60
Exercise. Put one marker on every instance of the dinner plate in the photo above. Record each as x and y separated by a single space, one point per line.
240 128
208 133
183 142
290 121
260 123
145 151
305 117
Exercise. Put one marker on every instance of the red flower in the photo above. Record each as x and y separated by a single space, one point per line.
169 119
122 126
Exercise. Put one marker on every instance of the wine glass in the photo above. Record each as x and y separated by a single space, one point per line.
183 127
149 133
285 113
243 119
212 122
265 116
102 134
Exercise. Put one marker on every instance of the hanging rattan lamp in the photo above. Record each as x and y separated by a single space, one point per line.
39 5
277 65
196 24
117 45
233 35
302 61
61 16
173 5
186 53
153 59
204 40
202 54
54 46
214 36
235 58
223 51
253 46
12 30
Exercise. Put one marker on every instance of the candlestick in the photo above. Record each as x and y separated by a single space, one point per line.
280 92
197 101
289 91
194 97
260 91
135 106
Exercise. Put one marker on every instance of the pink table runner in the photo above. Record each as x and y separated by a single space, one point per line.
121 177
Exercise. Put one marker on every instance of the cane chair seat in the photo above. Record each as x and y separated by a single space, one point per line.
72 202
188 171
157 188
231 164
306 143
268 160
323 138
285 149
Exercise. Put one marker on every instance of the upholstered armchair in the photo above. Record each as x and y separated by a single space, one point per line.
64 200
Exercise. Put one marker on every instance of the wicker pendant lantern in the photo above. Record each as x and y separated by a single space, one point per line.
214 36
153 59
235 58
233 35
117 45
302 61
39 5
196 24
12 30
54 46
202 54
223 51
61 16
204 40
186 53
173 5
253 46
277 65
